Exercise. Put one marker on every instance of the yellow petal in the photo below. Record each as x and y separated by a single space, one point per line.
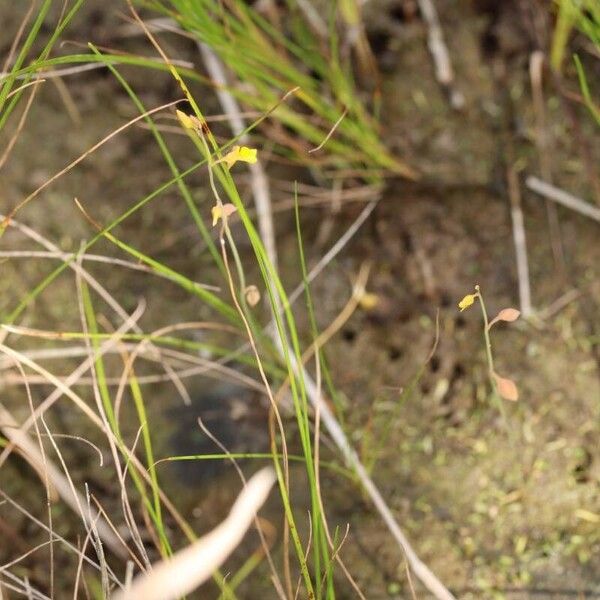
240 153
467 301
248 155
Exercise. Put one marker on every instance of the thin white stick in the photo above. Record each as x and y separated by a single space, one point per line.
439 52
67 257
559 196
518 228
334 250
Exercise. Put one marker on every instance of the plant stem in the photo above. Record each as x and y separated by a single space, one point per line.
490 357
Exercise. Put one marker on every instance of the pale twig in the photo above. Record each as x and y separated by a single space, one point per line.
128 513
207 371
47 482
559 304
25 589
24 87
132 28
439 53
80 403
74 265
97 543
189 568
67 98
66 257
334 250
559 196
83 440
23 556
314 19
214 369
518 228
331 132
70 380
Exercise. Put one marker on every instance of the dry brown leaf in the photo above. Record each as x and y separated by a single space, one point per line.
506 388
507 314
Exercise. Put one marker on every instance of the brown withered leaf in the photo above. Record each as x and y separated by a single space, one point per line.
506 388
507 314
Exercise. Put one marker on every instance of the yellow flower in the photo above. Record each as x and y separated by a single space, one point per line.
222 211
240 153
467 301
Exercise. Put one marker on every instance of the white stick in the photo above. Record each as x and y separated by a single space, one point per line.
439 52
518 228
561 197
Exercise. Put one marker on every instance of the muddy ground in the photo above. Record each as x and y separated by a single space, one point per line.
498 507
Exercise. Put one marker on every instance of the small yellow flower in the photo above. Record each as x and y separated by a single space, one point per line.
240 153
221 211
467 301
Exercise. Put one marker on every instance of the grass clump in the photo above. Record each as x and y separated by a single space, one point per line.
271 54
